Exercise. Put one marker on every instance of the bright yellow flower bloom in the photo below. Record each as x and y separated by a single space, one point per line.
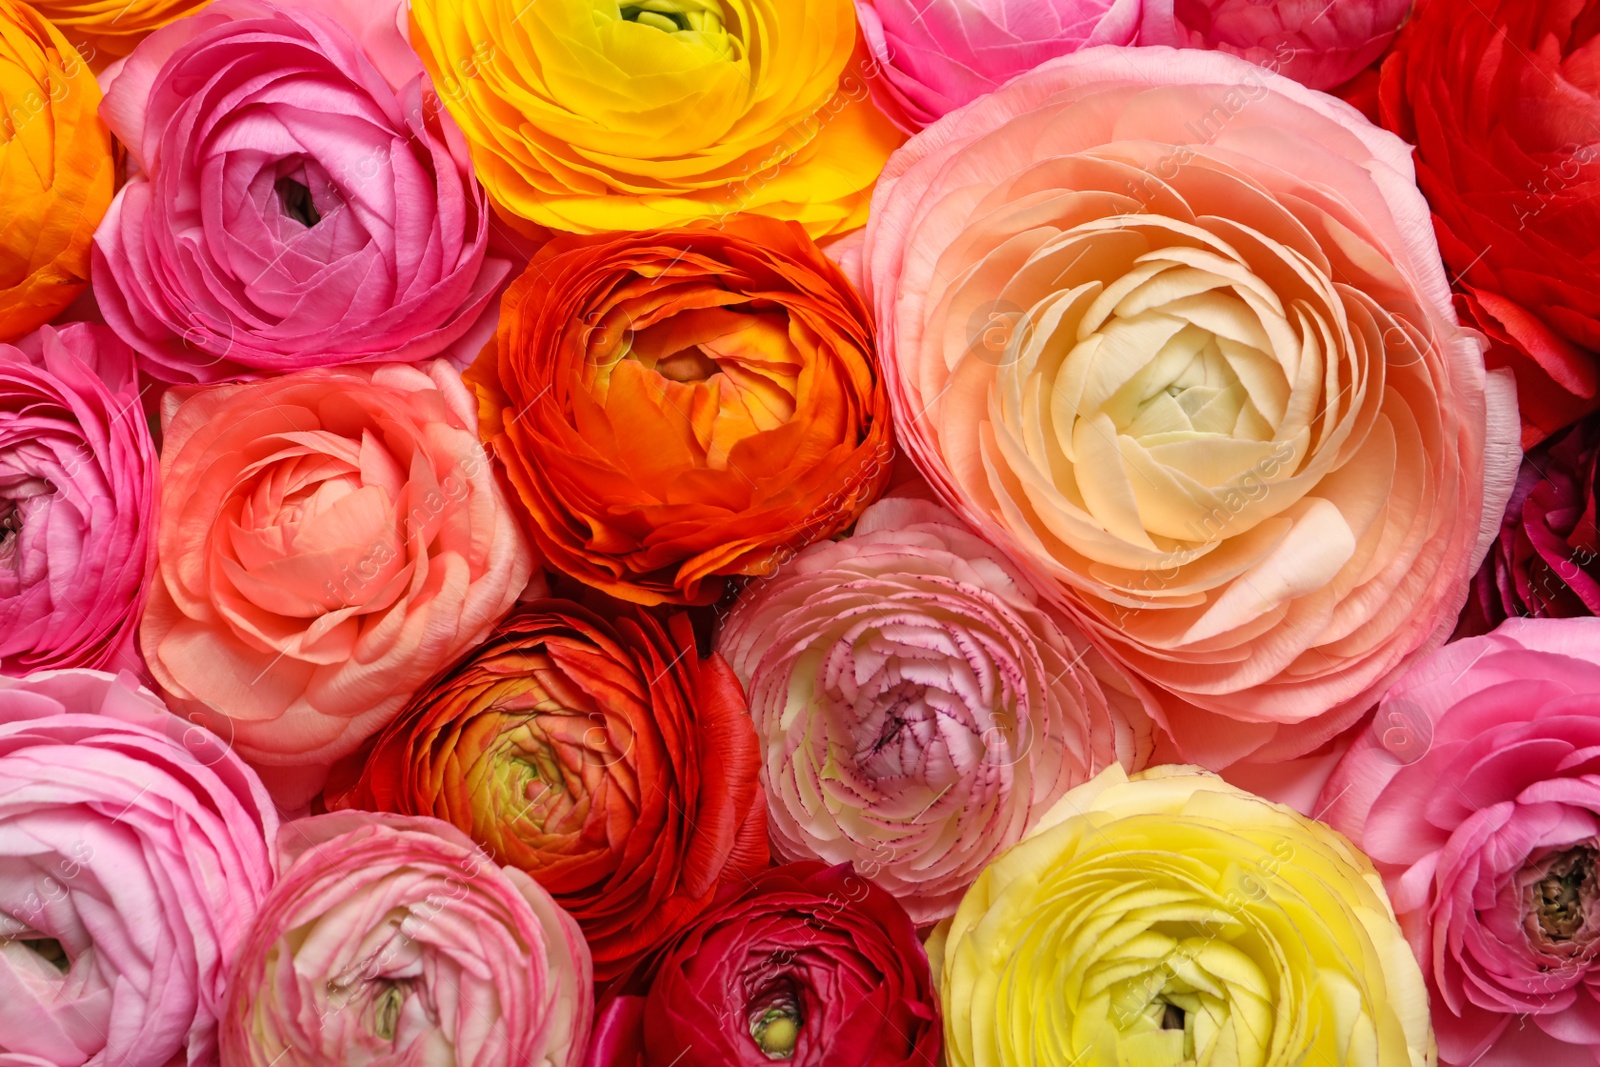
1172 919
56 170
584 115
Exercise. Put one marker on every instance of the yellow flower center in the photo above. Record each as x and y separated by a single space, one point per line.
776 1031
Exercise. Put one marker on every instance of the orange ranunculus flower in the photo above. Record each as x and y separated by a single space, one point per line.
675 406
605 758
109 29
56 171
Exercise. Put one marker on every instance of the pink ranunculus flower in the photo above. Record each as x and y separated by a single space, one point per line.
77 501
300 198
918 707
1173 330
933 56
327 541
134 852
1320 43
390 941
1477 794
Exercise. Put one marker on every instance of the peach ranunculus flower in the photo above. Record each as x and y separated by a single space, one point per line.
327 541
55 158
590 115
1174 329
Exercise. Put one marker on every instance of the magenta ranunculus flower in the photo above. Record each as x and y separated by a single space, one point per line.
918 707
935 55
134 851
300 198
1546 560
394 941
1320 43
77 502
1477 794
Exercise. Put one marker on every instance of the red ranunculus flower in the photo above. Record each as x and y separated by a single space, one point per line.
604 758
1502 101
805 964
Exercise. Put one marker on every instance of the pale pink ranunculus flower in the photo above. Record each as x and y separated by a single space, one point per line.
77 502
918 706
134 851
1174 331
1477 794
391 940
327 540
299 197
1320 43
932 56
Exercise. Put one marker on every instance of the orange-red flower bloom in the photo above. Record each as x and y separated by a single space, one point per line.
678 405
605 759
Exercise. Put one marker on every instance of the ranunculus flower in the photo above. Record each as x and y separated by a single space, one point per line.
606 759
678 406
1502 101
134 851
300 199
111 28
918 707
1546 561
327 541
937 56
391 941
1173 329
804 964
55 155
1320 43
1175 919
77 502
588 116
1477 794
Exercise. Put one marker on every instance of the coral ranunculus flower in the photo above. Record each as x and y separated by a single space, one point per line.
1174 329
605 759
56 170
589 115
678 406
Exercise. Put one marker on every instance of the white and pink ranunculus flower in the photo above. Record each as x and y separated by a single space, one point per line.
1173 330
918 706
134 851
1477 794
393 941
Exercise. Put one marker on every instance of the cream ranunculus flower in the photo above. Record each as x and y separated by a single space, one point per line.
1172 919
592 115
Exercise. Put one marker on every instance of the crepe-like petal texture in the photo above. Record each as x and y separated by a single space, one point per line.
390 941
918 707
804 964
328 540
1320 43
56 170
935 55
1477 794
603 757
134 852
1175 919
300 199
677 406
77 502
1173 330
1504 109
590 115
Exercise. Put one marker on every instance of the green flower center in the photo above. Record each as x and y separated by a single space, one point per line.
386 1010
674 16
776 1031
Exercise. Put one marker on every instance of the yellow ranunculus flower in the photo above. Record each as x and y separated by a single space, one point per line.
111 28
1172 919
590 115
56 171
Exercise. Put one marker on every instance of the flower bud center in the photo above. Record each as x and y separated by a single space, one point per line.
296 200
10 524
386 1010
46 948
1172 1017
1559 901
702 21
776 1030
